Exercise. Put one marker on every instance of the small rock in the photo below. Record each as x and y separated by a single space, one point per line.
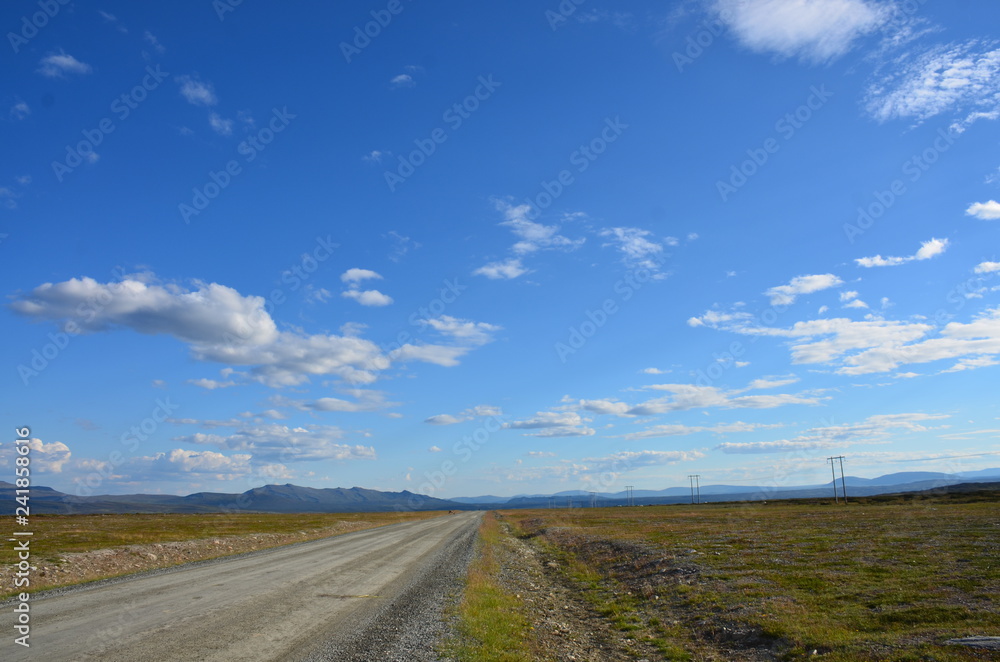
986 643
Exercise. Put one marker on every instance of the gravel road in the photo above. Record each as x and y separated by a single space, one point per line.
368 595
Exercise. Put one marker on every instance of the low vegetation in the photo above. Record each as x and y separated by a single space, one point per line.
879 579
493 625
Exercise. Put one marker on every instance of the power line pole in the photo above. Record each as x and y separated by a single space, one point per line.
833 472
593 499
693 478
628 495
843 482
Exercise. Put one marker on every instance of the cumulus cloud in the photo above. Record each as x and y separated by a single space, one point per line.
986 211
56 65
784 295
46 457
813 30
987 267
221 325
365 297
368 297
356 275
875 345
504 270
928 249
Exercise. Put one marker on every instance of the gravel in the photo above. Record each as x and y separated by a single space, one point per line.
410 625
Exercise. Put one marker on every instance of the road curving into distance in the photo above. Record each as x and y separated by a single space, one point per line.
367 595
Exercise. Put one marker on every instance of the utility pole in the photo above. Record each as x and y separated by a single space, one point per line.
833 472
628 494
593 499
843 482
693 478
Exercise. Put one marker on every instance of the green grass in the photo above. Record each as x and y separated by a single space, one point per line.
492 623
879 579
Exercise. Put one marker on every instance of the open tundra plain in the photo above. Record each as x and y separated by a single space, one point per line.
890 578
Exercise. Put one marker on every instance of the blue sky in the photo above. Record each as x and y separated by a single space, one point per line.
499 248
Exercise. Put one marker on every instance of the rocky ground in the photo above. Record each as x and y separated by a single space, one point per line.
566 626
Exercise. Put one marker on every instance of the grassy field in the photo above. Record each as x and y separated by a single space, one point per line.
880 579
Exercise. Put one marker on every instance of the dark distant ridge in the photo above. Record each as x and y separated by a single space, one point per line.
269 498
295 499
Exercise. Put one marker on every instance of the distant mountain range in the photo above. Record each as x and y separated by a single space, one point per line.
294 499
270 498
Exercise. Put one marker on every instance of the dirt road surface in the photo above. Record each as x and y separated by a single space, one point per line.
373 594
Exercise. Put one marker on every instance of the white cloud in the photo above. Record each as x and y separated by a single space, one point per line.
151 39
368 297
374 156
221 125
357 275
553 424
196 92
402 80
778 382
986 211
211 384
19 110
638 252
48 457
683 397
506 269
596 470
873 430
57 64
987 267
786 294
814 30
476 333
953 78
533 236
443 419
272 441
434 449
928 249
972 363
221 325
677 430
606 407
466 415
876 345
